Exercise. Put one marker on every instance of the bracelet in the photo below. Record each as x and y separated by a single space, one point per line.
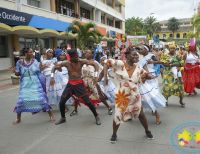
52 75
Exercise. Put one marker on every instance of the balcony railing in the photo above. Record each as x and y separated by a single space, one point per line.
49 14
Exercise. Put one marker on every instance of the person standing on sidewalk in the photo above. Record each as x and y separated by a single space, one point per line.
32 95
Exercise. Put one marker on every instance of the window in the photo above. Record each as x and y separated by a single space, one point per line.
35 3
184 35
27 42
85 13
178 35
103 19
109 22
3 47
164 36
66 8
171 35
118 24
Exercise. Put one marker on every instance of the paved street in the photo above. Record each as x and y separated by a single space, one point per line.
35 135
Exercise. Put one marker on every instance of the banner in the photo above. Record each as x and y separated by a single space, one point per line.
15 18
135 40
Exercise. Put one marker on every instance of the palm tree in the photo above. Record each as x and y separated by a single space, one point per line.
85 33
134 26
173 25
196 25
151 25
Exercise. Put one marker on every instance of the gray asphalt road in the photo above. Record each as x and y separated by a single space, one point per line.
80 135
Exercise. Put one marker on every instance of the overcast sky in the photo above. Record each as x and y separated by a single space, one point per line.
161 9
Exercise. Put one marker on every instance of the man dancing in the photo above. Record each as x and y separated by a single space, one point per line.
75 86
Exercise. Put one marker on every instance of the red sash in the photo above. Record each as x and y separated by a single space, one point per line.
75 82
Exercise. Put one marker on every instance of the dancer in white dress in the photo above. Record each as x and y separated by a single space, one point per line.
54 92
151 96
109 89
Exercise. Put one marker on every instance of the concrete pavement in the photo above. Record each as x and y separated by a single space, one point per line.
80 135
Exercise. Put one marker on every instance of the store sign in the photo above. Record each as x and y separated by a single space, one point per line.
14 18
135 40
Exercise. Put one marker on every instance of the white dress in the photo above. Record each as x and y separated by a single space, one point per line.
110 89
149 91
53 92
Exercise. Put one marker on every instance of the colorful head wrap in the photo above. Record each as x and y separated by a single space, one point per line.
172 46
73 53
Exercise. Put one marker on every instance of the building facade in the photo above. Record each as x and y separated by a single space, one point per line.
185 28
43 23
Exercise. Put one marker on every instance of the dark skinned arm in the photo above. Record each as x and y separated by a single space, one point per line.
90 62
105 72
57 67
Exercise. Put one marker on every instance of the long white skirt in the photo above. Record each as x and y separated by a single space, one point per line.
108 90
151 96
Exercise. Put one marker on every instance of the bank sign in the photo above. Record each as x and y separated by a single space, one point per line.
15 18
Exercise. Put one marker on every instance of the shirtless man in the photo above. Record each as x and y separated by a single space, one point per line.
75 86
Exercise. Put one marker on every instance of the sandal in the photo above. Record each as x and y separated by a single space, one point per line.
74 112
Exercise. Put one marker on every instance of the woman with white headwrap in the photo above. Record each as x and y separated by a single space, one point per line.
151 96
54 92
109 90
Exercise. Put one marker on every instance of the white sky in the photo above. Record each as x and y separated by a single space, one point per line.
161 9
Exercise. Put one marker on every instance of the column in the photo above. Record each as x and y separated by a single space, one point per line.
94 14
113 4
53 42
15 42
77 8
53 5
113 22
105 19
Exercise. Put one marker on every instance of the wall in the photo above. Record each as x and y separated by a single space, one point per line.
5 63
45 4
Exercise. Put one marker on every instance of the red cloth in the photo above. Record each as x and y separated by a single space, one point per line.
191 77
68 57
75 82
79 99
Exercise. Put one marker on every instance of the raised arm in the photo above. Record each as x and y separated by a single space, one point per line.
90 62
57 67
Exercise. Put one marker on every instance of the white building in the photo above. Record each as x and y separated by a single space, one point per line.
27 23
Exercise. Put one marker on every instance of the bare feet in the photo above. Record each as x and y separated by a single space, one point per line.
17 121
66 109
158 122
52 119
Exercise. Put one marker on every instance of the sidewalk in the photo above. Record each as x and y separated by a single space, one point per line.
5 75
5 80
